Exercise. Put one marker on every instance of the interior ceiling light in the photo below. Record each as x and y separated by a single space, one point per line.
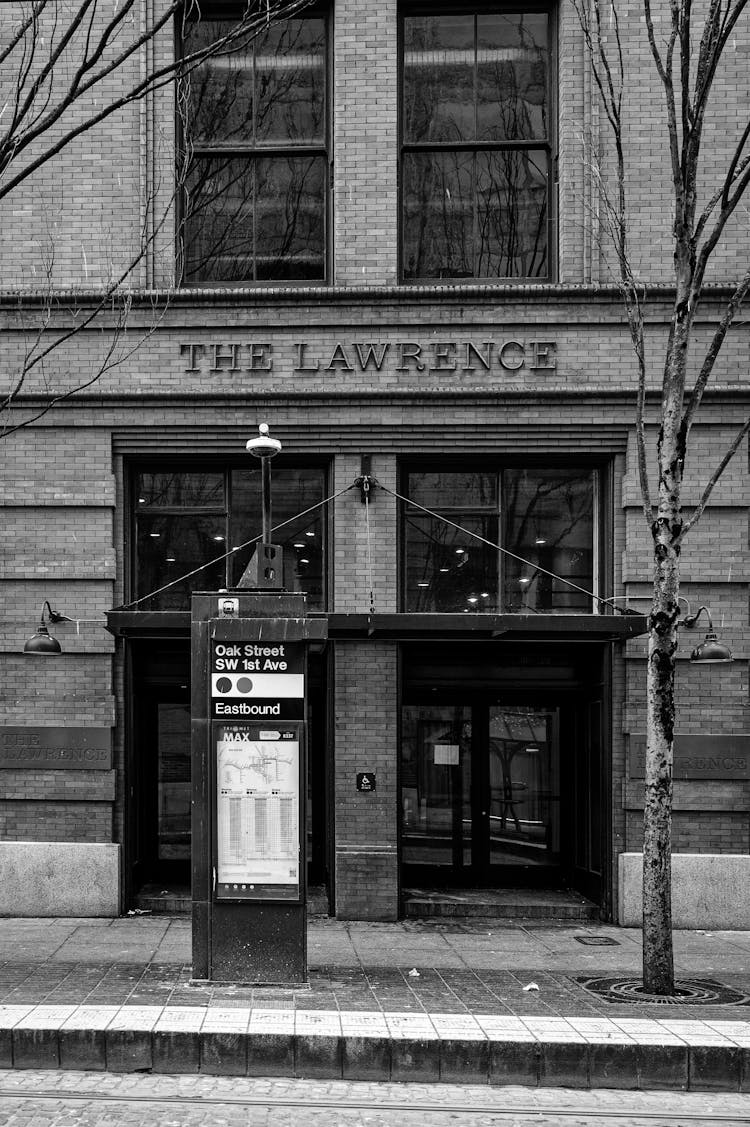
540 540
444 570
311 534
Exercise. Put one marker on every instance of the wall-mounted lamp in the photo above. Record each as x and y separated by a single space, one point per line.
710 651
42 642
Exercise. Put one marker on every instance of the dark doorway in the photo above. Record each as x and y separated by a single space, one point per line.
503 782
159 810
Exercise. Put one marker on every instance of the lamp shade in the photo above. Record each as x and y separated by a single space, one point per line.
711 651
42 643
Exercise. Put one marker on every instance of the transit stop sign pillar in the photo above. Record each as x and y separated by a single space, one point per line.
248 752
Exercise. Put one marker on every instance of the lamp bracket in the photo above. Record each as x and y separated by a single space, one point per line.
366 482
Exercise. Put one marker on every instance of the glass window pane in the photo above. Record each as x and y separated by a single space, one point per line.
549 522
293 491
448 570
290 82
439 100
173 767
184 490
172 546
290 210
438 215
452 490
436 755
512 214
512 67
268 88
220 90
219 221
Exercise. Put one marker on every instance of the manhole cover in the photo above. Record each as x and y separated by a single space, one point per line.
597 940
688 992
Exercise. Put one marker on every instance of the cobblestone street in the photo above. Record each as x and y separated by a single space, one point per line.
75 1099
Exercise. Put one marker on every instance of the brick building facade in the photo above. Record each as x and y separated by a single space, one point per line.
489 379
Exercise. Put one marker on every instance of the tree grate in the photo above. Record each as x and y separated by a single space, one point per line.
688 992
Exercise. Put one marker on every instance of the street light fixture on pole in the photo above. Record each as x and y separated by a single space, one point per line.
265 570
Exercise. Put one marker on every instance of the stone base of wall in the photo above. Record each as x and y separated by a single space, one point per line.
54 878
706 891
366 885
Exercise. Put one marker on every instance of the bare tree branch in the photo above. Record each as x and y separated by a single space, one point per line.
713 480
13 143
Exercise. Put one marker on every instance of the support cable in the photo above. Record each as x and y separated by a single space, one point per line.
237 548
505 551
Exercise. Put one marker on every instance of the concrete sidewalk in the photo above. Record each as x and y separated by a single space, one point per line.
474 1001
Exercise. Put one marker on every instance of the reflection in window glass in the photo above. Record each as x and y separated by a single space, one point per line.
436 785
255 195
183 521
293 491
171 546
255 220
544 517
193 490
454 490
173 770
549 521
482 82
447 570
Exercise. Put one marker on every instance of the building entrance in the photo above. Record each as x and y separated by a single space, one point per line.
481 792
158 838
503 789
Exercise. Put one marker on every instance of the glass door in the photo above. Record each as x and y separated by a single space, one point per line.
480 794
522 818
436 790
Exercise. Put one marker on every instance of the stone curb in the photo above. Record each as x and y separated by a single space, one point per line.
352 1045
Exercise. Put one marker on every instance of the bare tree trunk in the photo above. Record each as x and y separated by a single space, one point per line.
658 958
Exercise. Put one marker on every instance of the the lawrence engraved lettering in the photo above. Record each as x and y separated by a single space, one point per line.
55 747
342 357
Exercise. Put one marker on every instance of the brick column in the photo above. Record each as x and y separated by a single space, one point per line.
365 131
366 741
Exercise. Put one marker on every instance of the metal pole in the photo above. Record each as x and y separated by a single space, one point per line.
266 478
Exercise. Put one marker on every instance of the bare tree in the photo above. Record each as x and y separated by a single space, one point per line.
686 44
66 68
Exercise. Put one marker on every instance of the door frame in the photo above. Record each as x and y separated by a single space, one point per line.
571 706
479 873
170 681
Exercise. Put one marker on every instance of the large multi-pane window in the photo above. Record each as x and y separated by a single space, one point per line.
185 519
255 133
476 144
501 540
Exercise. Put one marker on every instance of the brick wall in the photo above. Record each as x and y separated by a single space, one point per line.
56 508
63 229
366 695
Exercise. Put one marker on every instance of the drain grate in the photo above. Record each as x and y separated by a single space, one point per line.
688 992
597 940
